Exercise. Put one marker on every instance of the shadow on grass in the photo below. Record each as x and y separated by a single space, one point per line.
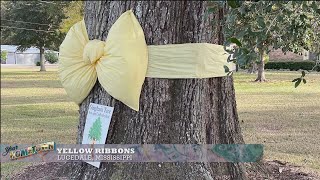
22 100
31 84
38 111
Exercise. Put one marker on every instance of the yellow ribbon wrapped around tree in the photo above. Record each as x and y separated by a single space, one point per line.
122 62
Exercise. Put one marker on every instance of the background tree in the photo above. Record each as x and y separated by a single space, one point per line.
172 111
73 13
259 26
33 23
313 37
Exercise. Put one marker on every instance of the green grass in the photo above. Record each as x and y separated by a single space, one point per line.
283 118
35 109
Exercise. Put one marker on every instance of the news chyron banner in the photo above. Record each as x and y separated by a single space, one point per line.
52 152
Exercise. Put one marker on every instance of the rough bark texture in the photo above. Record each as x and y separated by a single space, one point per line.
179 111
42 66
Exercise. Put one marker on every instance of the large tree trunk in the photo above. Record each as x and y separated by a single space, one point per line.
42 66
172 111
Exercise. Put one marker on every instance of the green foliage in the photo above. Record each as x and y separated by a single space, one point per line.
297 81
4 56
256 27
236 41
51 57
233 4
95 130
73 13
33 23
38 63
292 65
260 25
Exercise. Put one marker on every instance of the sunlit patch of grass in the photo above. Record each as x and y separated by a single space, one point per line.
283 118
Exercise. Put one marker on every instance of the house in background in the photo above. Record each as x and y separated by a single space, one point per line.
28 57
307 55
278 55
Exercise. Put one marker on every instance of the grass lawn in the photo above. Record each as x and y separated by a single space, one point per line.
283 118
35 109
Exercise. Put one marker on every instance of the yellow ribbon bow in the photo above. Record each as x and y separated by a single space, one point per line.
121 63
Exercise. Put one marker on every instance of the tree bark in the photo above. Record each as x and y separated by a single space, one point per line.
42 66
172 111
261 75
253 67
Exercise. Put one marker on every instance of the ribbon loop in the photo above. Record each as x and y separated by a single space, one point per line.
119 63
93 51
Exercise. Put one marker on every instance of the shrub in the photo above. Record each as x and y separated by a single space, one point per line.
292 65
38 63
51 57
4 56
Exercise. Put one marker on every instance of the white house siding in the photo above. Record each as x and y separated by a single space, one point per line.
27 58
11 58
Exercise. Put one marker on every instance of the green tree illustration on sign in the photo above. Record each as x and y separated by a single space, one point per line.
95 131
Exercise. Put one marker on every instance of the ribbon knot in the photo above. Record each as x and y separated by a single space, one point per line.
93 51
119 63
